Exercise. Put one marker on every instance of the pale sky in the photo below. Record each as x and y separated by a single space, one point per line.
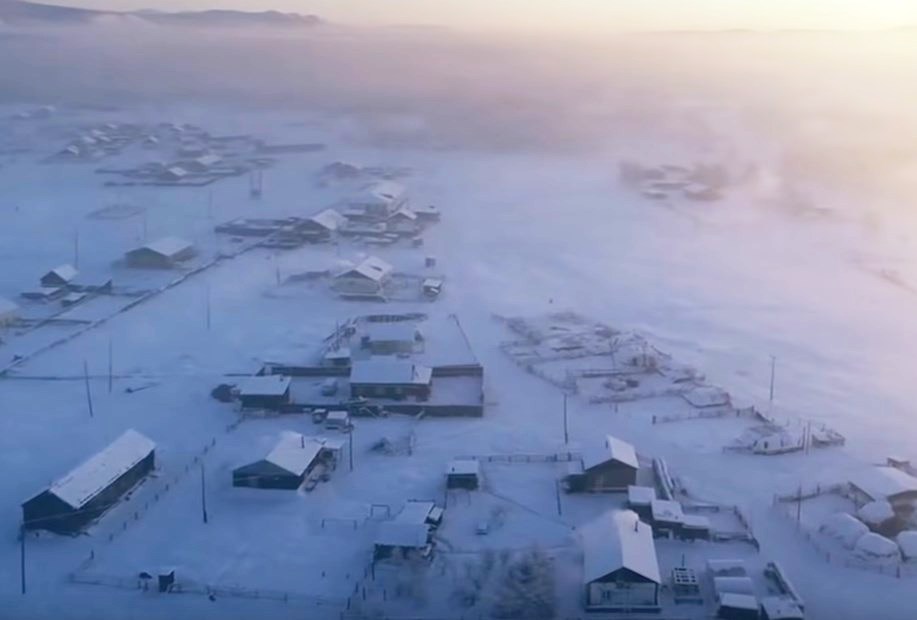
572 15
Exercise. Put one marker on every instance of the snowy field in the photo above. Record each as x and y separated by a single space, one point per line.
719 286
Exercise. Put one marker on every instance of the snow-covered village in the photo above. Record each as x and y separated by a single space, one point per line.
283 361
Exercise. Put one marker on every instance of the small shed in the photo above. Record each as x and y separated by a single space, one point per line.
286 466
321 225
264 392
738 607
164 253
612 466
400 539
432 287
694 527
379 200
369 277
463 474
667 516
60 276
640 499
620 571
421 511
93 487
338 420
781 608
9 312
390 378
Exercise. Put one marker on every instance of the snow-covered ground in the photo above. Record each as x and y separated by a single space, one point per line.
720 286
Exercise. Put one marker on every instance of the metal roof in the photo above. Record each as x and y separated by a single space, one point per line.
884 482
96 474
388 371
294 452
619 540
264 385
168 246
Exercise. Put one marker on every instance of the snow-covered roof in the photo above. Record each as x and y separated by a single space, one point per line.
907 542
294 452
264 385
876 513
329 218
697 522
667 510
739 601
96 474
781 608
618 540
405 213
733 585
464 467
372 268
388 371
168 246
65 272
884 482
208 160
640 496
177 171
727 567
614 449
707 396
7 307
401 534
380 192
415 512
874 545
844 527
391 331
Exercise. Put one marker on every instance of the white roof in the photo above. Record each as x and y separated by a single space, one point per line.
873 545
843 527
667 510
876 513
168 246
617 540
739 601
264 385
781 608
404 212
464 467
415 512
907 541
329 218
294 452
400 534
614 450
338 415
7 307
404 331
382 192
65 272
388 371
884 482
707 396
640 495
733 585
103 468
372 268
698 522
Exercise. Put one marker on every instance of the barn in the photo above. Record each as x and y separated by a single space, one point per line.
610 467
286 466
60 276
92 488
620 569
463 474
164 253
9 312
264 392
389 378
367 278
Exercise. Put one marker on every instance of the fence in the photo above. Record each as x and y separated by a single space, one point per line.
559 457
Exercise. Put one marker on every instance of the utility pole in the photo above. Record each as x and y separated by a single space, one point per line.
76 247
22 555
799 506
566 434
350 447
203 494
773 373
208 307
210 204
110 366
88 391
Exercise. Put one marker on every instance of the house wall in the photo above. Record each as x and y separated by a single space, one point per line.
357 285
265 402
462 481
241 478
621 595
389 390
611 475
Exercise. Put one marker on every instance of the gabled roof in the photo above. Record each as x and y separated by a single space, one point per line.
96 474
401 534
405 213
387 371
371 268
614 449
65 272
294 453
884 482
619 540
168 246
264 385
415 512
329 219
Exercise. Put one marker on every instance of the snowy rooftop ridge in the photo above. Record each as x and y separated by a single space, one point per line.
614 449
167 246
619 540
393 372
294 452
884 482
99 471
264 385
65 272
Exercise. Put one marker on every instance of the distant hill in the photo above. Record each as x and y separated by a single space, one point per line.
22 12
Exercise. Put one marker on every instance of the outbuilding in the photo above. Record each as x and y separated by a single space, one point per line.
369 277
92 488
390 378
612 466
165 253
264 392
403 222
640 500
379 200
60 276
322 225
399 539
620 568
463 474
667 516
286 466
